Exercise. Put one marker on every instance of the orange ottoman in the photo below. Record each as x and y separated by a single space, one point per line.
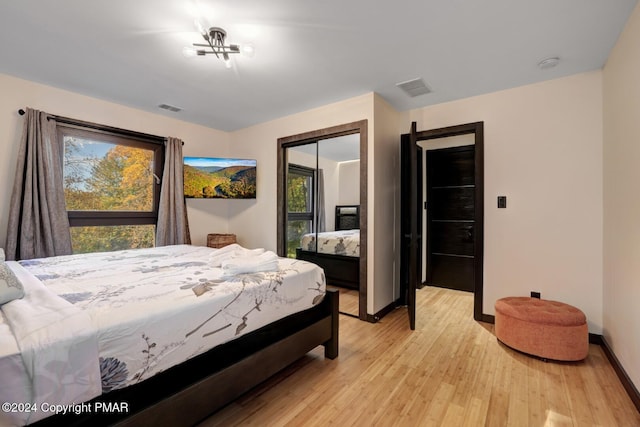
543 328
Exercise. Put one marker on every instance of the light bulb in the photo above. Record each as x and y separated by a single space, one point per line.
189 51
248 50
202 27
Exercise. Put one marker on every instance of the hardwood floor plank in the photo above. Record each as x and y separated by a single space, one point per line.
475 413
518 386
498 412
454 416
349 300
450 371
536 395
434 413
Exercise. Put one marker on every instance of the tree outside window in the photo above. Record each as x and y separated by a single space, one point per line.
110 189
300 190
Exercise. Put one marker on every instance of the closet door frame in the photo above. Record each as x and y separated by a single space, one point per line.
359 127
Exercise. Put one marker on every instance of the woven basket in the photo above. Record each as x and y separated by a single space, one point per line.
220 240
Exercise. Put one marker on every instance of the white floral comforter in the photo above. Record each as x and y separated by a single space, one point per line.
342 242
58 347
151 309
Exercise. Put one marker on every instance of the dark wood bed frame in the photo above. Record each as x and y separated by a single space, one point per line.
188 393
339 270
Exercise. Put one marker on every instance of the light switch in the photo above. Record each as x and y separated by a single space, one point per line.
502 202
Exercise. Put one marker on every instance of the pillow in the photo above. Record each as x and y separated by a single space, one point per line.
1 254
10 286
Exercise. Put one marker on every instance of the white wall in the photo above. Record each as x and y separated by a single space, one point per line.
543 150
205 216
621 295
384 189
349 189
331 175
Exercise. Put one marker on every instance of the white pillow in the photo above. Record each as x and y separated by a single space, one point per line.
1 254
10 286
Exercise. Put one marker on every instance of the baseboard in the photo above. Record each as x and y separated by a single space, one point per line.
488 318
596 339
628 385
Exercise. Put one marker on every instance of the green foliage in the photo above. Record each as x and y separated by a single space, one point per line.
199 184
295 231
241 185
233 182
112 238
121 180
298 194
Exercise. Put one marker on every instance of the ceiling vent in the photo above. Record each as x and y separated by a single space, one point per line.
415 87
169 108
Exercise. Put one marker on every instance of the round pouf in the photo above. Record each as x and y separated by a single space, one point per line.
543 328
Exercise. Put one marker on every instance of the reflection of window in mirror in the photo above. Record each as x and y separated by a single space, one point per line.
321 175
300 196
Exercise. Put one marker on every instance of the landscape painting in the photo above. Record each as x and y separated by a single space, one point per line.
219 178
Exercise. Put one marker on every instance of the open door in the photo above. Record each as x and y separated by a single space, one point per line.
450 235
410 224
469 228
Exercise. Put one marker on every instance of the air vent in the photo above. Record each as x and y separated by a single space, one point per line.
169 107
414 87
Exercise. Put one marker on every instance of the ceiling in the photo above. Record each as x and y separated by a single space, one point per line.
307 53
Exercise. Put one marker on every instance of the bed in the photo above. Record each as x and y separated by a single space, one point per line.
337 252
147 336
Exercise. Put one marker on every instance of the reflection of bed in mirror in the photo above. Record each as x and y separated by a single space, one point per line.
337 252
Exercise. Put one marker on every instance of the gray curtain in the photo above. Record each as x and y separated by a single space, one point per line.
322 220
38 223
173 227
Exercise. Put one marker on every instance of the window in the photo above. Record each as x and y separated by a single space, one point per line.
111 188
300 197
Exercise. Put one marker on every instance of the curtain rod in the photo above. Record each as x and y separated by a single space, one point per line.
126 132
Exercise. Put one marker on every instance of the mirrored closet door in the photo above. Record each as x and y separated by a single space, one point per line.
321 213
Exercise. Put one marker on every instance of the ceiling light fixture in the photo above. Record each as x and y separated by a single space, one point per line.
215 38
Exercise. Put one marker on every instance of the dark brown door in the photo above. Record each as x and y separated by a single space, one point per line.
450 217
410 223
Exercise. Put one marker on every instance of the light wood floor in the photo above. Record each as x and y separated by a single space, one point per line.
349 300
450 371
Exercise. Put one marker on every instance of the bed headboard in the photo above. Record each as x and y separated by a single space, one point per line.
347 217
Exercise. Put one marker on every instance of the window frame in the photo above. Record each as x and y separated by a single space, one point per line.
308 215
119 137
